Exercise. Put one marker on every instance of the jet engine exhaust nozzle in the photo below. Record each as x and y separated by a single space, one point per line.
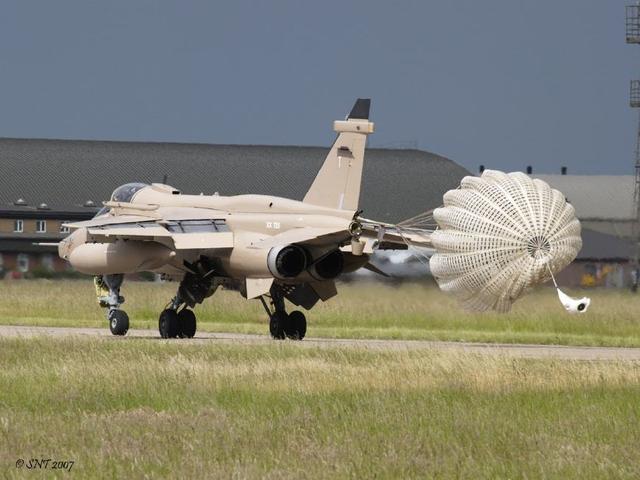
328 267
287 262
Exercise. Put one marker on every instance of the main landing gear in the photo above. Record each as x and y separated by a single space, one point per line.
282 324
178 320
174 323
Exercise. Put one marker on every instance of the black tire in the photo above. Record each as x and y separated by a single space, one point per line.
277 325
168 324
118 322
296 327
187 323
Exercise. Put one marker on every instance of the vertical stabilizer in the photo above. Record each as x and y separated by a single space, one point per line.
337 184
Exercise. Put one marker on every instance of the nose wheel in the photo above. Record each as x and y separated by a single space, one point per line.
118 322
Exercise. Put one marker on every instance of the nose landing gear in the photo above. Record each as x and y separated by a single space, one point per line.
110 286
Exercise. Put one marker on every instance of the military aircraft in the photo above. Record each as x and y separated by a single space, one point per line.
265 247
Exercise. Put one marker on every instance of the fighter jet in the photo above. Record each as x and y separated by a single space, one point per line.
268 248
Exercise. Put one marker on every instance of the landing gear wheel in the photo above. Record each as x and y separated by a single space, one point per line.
187 323
118 322
296 326
277 324
168 324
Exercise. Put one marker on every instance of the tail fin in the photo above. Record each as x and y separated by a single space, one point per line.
337 184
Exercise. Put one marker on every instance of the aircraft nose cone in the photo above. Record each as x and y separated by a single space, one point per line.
63 249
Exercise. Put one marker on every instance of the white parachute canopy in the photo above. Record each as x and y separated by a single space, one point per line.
500 234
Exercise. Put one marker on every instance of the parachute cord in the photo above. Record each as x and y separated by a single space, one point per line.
420 256
552 277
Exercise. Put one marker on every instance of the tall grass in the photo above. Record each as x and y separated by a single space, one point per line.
366 309
141 408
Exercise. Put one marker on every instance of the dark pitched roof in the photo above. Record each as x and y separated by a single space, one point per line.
66 173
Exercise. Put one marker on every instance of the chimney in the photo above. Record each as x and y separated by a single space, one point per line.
563 170
529 169
481 169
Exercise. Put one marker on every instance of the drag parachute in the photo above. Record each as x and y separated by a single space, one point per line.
500 234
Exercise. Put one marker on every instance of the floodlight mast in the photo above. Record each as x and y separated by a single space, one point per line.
632 25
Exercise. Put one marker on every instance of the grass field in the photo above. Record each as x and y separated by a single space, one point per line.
136 408
362 310
147 408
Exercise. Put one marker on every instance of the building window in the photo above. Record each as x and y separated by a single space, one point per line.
18 226
41 226
22 262
47 262
63 228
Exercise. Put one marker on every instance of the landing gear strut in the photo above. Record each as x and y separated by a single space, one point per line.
281 324
118 319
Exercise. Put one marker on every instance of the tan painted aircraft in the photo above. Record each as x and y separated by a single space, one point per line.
265 247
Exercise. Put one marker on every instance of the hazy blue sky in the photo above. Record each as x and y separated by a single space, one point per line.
502 83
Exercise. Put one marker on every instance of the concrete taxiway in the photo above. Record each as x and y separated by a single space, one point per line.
520 350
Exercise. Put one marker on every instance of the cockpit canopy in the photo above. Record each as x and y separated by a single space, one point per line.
125 193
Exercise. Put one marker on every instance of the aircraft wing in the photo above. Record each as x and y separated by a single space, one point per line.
198 234
107 220
305 235
137 231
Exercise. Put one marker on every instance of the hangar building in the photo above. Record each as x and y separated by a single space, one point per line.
604 205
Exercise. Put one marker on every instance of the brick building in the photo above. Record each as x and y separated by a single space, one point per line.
23 230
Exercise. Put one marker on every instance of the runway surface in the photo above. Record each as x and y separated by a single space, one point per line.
521 350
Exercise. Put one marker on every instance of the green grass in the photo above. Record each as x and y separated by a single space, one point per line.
136 408
361 310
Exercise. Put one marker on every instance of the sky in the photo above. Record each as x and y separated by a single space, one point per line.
502 83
